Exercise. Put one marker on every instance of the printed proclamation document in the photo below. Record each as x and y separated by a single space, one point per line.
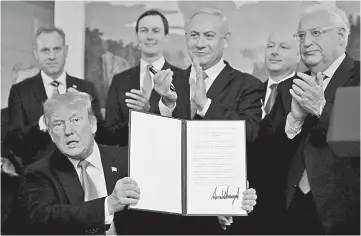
194 167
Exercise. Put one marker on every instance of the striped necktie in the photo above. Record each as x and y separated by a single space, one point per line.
55 84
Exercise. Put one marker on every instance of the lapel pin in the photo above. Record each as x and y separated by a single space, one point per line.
114 169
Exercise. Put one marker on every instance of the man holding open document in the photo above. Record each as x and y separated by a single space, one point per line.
214 91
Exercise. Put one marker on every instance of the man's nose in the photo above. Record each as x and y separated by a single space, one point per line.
275 51
308 39
150 35
68 129
52 55
200 42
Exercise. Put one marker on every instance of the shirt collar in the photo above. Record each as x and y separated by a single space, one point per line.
212 72
47 80
333 67
158 64
94 158
271 81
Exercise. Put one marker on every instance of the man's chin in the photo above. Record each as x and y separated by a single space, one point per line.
52 72
311 61
73 153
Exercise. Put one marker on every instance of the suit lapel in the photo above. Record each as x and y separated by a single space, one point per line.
226 75
184 82
265 91
134 78
112 172
68 178
154 97
38 89
72 82
341 76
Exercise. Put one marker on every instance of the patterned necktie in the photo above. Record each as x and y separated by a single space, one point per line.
55 84
193 105
271 99
147 82
90 191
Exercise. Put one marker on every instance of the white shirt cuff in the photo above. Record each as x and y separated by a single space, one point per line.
293 127
323 104
108 218
164 110
203 112
42 124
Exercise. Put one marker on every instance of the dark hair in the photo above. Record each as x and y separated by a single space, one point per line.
154 13
48 30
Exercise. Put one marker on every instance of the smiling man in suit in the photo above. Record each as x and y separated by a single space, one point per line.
134 88
26 132
281 58
210 89
80 188
322 189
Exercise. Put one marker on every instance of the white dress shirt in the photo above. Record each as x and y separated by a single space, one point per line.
212 74
96 173
294 127
158 65
50 88
268 91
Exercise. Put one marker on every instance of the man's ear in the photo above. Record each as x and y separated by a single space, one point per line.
35 54
342 36
93 124
66 48
227 38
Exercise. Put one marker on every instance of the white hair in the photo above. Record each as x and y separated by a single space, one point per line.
214 12
71 98
338 16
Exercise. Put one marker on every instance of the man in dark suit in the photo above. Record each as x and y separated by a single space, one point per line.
281 58
26 132
80 188
210 88
135 88
322 189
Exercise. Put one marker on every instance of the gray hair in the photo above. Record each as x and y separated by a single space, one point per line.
48 30
214 12
338 16
71 98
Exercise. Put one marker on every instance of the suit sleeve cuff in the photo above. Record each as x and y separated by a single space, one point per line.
293 127
164 110
203 112
108 218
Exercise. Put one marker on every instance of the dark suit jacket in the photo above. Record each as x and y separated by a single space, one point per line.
269 181
334 181
117 112
26 100
51 197
235 96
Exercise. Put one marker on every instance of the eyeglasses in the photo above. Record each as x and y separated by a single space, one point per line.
315 32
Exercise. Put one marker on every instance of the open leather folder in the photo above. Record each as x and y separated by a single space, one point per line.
193 167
